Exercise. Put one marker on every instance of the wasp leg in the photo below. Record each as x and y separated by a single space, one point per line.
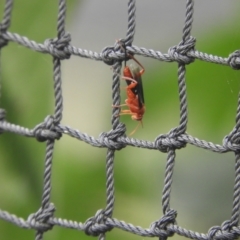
128 78
119 106
124 112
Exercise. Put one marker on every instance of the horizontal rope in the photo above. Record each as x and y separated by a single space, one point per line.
112 222
95 142
72 50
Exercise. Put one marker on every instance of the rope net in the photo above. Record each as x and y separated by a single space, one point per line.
51 130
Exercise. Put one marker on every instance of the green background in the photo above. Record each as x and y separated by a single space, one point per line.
203 181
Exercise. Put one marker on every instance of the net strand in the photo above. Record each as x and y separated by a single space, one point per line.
131 23
166 57
103 142
51 129
168 181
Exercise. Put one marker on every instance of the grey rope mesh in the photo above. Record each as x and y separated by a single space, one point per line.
51 129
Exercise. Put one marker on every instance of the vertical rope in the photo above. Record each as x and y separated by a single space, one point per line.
116 94
168 181
61 18
57 90
115 112
57 64
6 21
57 114
131 22
183 112
5 24
238 114
47 174
182 70
110 182
46 182
236 194
188 20
236 191
183 99
117 64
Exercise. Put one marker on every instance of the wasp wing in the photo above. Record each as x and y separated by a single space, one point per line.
138 90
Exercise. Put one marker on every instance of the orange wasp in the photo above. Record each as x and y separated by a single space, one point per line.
135 96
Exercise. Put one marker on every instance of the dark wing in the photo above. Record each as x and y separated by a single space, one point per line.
138 90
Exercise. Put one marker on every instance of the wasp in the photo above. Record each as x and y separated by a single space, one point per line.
132 74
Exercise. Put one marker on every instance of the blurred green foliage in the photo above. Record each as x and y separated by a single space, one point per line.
79 187
27 96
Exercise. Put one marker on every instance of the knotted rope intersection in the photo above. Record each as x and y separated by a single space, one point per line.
51 129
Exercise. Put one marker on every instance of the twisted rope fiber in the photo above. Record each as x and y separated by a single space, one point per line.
51 129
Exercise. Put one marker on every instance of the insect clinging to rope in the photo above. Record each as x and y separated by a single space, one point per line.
135 97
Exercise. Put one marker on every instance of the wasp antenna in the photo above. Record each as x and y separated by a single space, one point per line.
135 128
123 47
125 50
141 123
134 59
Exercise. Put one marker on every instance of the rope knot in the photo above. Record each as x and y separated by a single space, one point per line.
224 231
109 52
159 228
165 142
109 139
120 45
39 220
3 41
234 60
46 130
96 225
106 54
57 46
179 52
232 141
